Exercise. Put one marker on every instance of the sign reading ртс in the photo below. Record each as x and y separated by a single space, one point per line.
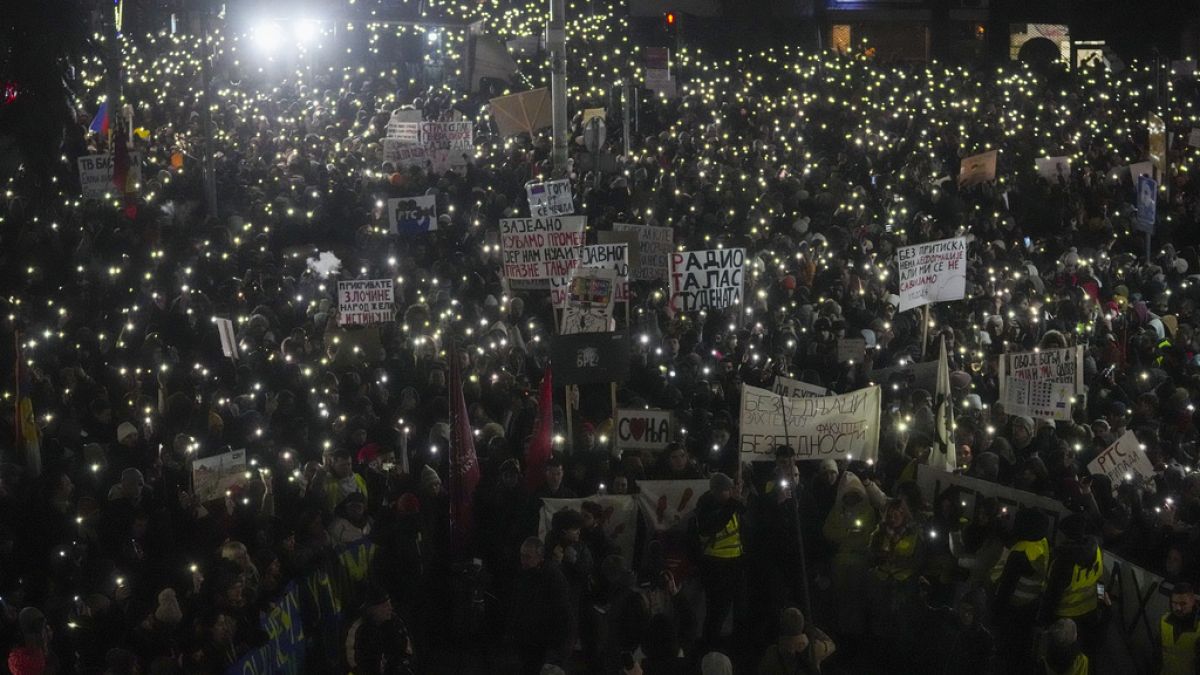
711 279
365 301
932 272
540 248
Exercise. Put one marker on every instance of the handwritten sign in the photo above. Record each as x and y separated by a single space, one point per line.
1123 461
1039 398
540 248
976 169
932 272
711 279
643 429
655 245
96 174
826 427
552 198
366 301
213 476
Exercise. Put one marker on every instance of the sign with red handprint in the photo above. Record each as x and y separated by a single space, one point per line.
667 504
618 518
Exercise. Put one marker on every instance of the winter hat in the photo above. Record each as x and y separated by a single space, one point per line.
719 481
429 478
1023 421
124 430
791 622
168 610
716 663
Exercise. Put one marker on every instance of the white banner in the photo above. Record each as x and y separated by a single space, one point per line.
1038 398
96 174
796 389
643 429
667 504
540 248
711 279
971 491
618 519
655 245
845 426
1123 461
935 271
412 215
552 198
366 301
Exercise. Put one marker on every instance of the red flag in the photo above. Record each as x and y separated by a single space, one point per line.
464 466
120 157
542 443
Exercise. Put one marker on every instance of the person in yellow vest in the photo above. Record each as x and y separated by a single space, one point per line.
1060 651
1074 587
1018 581
896 554
336 483
719 522
1179 634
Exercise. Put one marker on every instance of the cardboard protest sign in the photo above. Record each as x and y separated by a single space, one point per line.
1123 461
589 113
851 349
643 429
213 476
402 155
667 504
785 386
614 257
449 145
363 302
1039 399
1147 204
412 215
528 111
577 319
225 330
629 239
977 169
405 125
586 300
655 246
491 60
845 426
1140 169
1063 365
711 279
540 248
915 375
590 358
618 519
1054 168
935 271
551 198
96 175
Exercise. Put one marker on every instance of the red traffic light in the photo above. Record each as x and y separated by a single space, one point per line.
669 17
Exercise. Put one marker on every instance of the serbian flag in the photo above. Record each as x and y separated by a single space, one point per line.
100 121
542 442
464 466
29 437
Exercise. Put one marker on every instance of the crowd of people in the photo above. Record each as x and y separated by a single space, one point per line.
819 165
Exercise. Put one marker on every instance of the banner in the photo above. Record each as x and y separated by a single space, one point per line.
405 125
1124 461
935 271
212 477
1147 204
667 504
972 491
540 248
618 518
976 169
785 386
552 198
366 301
1054 168
590 358
826 427
1038 399
284 652
412 215
914 375
228 335
1063 365
96 174
711 279
449 144
643 429
655 246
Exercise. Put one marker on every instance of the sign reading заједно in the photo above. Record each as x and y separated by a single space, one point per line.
932 272
712 279
540 248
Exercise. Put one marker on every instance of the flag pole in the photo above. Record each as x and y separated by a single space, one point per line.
17 391
925 332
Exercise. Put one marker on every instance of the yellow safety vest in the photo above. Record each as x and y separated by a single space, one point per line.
728 542
896 568
1079 667
1029 587
1080 596
1178 650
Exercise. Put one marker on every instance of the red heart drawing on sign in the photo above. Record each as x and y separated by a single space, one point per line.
637 428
